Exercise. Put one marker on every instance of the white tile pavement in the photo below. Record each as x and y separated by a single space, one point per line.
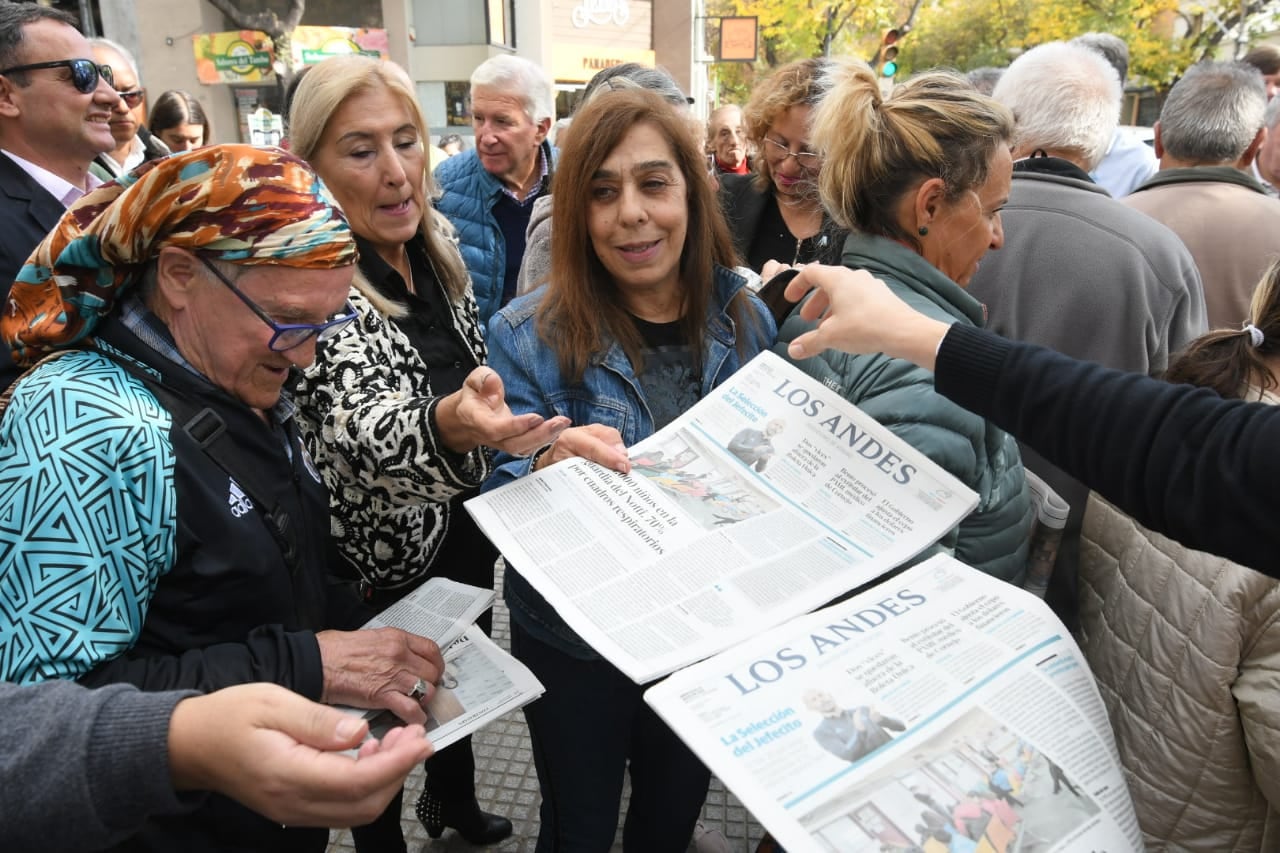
506 784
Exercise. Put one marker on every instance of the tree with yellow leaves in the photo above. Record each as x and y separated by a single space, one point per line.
1164 36
799 29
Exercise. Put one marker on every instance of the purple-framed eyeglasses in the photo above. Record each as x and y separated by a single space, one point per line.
286 336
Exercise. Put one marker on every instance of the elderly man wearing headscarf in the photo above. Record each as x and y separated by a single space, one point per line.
163 524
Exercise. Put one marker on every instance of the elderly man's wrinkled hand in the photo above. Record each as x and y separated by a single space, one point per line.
380 668
478 414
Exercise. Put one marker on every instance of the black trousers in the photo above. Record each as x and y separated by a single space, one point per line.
590 727
467 557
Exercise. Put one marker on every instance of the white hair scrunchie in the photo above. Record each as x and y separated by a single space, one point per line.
1255 334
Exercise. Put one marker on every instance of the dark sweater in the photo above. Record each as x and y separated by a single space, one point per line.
1179 459
84 768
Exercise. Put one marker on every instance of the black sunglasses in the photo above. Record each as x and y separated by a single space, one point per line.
131 99
84 72
286 336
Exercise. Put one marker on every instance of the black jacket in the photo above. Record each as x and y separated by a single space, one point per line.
152 149
233 608
744 204
27 214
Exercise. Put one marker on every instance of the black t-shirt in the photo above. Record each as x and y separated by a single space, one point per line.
773 241
670 379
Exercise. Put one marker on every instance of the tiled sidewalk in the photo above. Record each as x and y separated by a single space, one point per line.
506 784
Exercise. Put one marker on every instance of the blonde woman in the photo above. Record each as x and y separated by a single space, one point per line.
400 409
919 179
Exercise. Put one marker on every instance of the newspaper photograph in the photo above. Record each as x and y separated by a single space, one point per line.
481 683
770 497
942 710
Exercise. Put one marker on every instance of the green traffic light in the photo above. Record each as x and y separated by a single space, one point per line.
889 69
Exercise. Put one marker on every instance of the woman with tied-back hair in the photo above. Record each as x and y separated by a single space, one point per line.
1185 646
919 179
180 121
640 318
399 410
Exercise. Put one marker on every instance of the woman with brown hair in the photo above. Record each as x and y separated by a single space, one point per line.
640 318
180 121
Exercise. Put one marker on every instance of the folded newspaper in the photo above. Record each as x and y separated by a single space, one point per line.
1051 513
941 710
481 681
770 497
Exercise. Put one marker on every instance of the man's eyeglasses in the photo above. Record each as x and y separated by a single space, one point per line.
287 335
84 72
133 98
806 159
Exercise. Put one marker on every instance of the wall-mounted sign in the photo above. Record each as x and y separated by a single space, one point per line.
601 13
572 63
738 39
243 56
316 44
247 56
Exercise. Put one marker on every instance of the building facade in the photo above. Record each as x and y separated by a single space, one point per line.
439 42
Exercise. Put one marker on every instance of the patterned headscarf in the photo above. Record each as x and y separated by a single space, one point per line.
232 203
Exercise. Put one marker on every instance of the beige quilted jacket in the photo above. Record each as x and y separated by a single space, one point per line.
1186 650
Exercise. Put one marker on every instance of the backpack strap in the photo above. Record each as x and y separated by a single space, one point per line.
209 431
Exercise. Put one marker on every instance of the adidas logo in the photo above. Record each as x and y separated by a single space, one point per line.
239 501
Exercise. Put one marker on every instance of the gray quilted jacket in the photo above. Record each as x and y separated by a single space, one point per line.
1185 647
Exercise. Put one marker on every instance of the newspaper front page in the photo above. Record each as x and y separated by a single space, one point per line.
770 497
941 710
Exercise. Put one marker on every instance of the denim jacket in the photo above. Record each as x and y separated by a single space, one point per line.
609 394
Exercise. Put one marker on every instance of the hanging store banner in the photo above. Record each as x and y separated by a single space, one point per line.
738 39
316 44
242 56
247 56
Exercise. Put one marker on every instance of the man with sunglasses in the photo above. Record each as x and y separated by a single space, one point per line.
55 109
134 143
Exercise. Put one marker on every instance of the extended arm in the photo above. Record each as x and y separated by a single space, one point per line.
1180 459
85 768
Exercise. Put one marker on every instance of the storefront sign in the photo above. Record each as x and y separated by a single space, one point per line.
247 56
601 13
242 56
573 63
316 44
738 39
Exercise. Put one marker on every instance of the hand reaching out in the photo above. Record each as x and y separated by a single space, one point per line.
478 414
857 312
276 753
